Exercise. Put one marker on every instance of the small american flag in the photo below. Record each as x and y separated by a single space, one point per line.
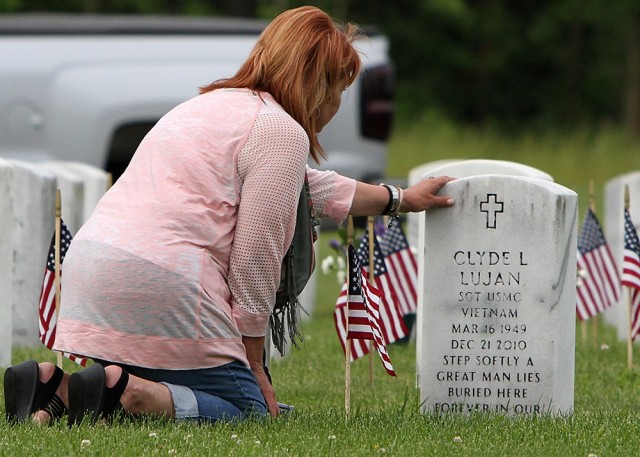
359 348
631 271
47 306
402 267
598 286
391 322
363 309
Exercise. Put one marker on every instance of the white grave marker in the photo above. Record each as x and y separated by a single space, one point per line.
34 213
6 260
461 169
71 185
95 181
499 295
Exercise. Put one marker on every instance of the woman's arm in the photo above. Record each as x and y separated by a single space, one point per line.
371 200
255 351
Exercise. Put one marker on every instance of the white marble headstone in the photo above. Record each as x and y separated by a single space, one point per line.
461 169
96 183
614 232
6 260
34 212
499 298
71 185
424 171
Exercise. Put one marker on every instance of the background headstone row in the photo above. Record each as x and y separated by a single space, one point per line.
27 205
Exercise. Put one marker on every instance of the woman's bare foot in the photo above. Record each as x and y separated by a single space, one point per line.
46 370
142 396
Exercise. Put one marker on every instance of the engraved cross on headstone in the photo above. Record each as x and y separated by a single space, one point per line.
491 206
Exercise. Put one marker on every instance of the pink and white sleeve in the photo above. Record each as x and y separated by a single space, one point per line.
271 167
332 194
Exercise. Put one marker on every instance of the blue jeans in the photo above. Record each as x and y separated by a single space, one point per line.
228 392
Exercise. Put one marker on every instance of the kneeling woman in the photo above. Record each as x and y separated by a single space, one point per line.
170 284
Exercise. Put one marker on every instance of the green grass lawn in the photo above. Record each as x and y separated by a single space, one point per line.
384 413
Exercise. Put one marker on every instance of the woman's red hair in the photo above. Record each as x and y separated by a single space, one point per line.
300 58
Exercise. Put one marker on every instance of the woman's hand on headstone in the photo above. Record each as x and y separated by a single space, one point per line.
422 195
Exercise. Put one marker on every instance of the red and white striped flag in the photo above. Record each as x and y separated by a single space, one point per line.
392 324
598 283
363 310
402 267
359 348
631 271
47 306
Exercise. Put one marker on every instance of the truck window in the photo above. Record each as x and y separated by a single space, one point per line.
124 143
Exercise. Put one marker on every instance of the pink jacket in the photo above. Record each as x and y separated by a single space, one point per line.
182 255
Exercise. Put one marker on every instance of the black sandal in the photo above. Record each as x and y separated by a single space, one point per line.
89 396
24 394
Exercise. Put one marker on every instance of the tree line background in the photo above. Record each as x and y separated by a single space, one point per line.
508 64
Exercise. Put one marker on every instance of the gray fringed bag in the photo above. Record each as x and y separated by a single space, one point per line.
297 266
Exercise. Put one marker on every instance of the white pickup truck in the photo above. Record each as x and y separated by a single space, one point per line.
87 88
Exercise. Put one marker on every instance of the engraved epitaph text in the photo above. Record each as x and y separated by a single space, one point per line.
492 341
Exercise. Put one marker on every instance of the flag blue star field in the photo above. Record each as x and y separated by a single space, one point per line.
392 325
598 284
47 314
631 271
401 265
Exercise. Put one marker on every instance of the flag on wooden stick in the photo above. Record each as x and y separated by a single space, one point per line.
359 347
598 284
47 311
357 314
631 271
363 310
392 326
